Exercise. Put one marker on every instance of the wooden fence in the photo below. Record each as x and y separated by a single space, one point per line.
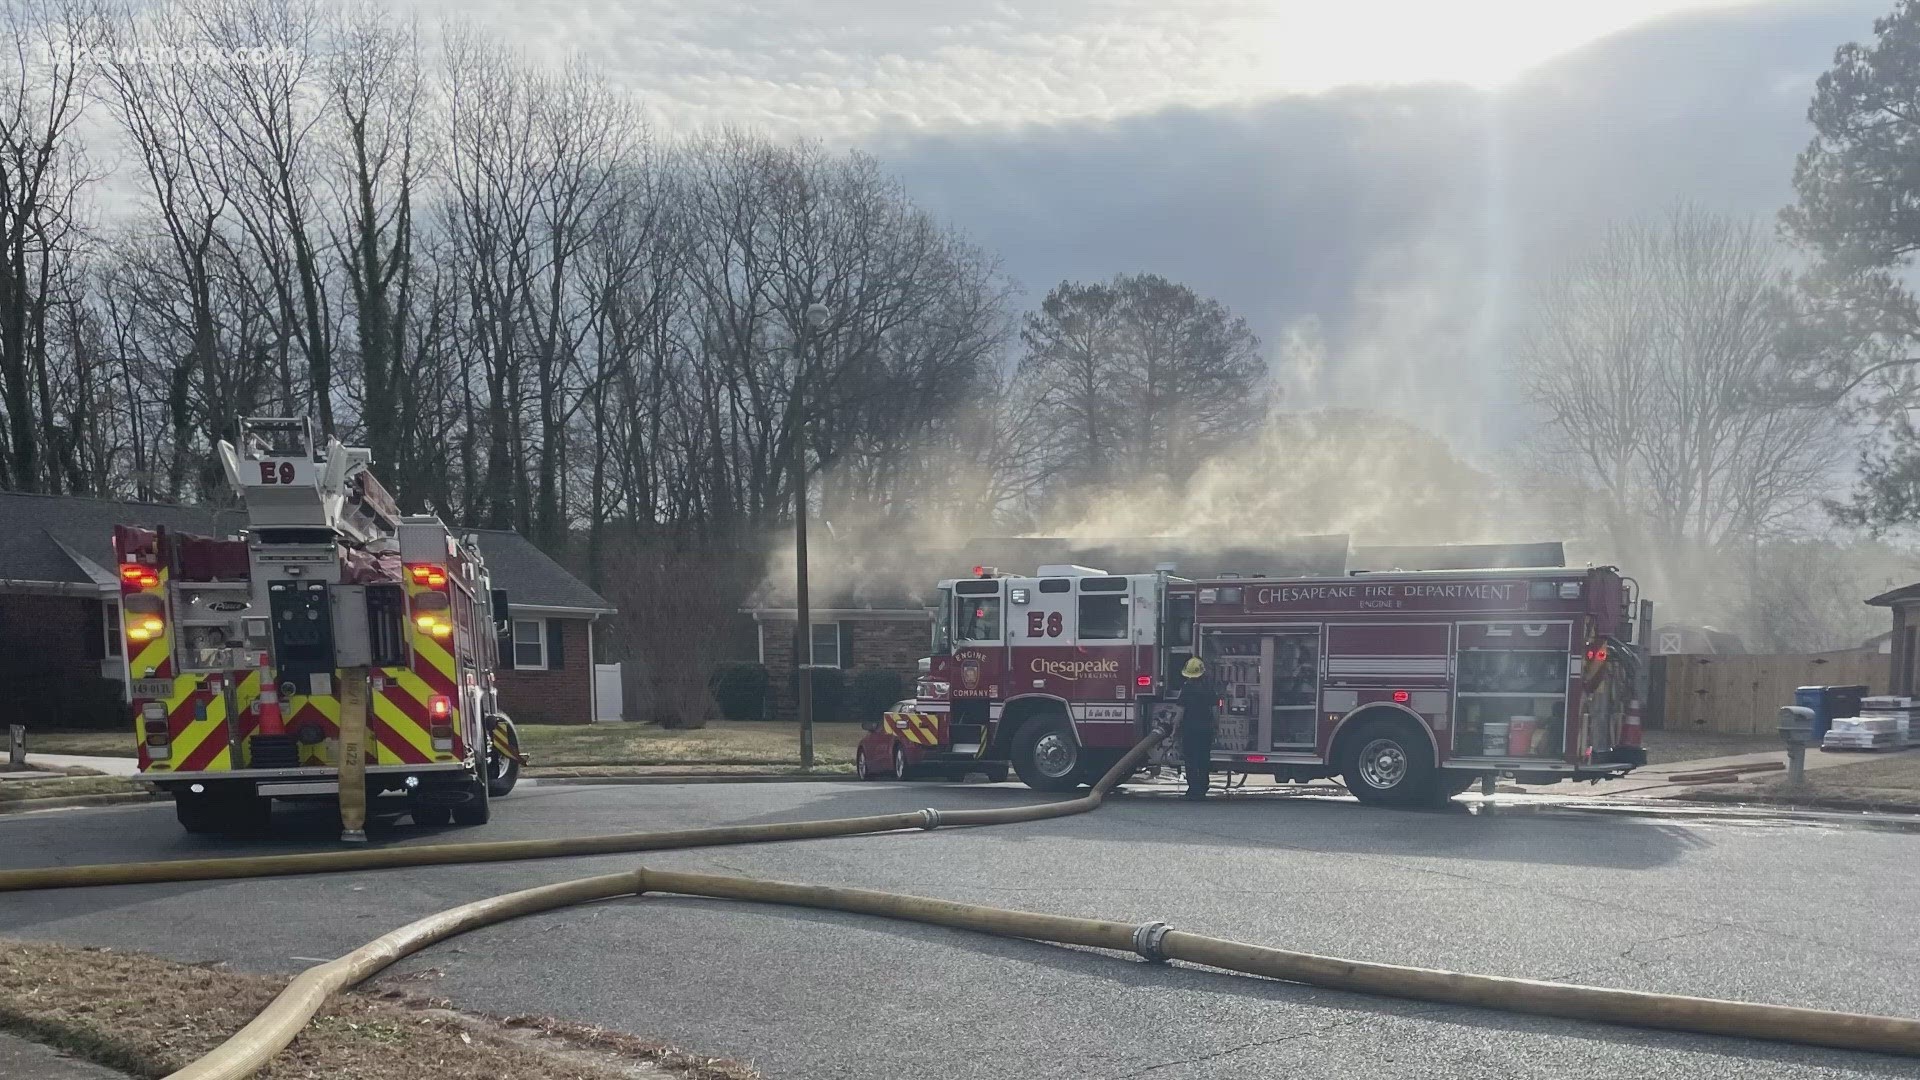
1742 695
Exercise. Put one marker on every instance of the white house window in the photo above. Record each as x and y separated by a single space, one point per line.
530 644
826 644
110 619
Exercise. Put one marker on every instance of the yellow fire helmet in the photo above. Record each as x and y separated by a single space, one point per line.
1194 668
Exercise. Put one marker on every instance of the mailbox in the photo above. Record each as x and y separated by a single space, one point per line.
1796 724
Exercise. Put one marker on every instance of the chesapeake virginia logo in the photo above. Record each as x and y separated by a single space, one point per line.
1075 670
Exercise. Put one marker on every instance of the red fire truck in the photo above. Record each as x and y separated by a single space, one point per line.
238 650
1409 686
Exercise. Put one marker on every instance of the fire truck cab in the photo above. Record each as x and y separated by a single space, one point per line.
1409 686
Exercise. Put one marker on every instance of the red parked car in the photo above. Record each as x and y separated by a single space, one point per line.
905 743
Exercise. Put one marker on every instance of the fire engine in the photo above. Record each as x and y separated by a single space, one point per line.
238 650
1409 686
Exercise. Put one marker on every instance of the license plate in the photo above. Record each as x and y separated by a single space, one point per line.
153 688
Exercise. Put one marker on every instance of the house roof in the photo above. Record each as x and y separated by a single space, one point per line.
1895 596
52 539
531 578
902 577
41 534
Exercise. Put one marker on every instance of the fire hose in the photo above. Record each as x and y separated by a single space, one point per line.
277 1025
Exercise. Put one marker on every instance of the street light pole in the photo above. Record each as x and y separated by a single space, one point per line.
817 315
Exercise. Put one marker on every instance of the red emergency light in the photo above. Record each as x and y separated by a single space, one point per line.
439 705
1144 680
1597 654
1401 697
1256 758
135 574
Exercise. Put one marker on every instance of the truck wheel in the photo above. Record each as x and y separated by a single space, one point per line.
197 813
429 816
1046 755
1387 763
223 815
503 771
1453 782
475 811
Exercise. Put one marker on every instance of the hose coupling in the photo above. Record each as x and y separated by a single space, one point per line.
929 819
1147 938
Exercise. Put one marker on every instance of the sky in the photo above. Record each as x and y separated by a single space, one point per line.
1375 185
845 68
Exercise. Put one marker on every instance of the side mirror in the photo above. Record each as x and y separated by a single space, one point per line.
870 724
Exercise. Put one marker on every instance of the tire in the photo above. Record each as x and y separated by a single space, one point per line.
477 810
502 772
900 768
1389 763
1047 756
860 768
198 814
429 816
223 815
1452 782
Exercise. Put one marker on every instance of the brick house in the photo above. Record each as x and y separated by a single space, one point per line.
60 614
547 657
880 617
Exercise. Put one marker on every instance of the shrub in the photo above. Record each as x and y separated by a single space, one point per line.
829 693
873 691
740 689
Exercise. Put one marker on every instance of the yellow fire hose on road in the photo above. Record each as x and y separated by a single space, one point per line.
277 1025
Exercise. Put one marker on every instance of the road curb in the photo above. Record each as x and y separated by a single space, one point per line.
1735 798
697 778
63 802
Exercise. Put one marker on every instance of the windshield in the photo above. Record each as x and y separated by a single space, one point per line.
943 624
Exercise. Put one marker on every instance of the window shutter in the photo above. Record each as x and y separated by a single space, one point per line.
505 645
556 640
846 646
96 630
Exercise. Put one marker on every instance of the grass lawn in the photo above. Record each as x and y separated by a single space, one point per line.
1886 780
150 1017
114 743
1665 747
13 791
720 742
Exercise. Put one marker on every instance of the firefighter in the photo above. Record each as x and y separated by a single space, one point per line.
1196 726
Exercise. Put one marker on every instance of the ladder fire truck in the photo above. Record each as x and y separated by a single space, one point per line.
239 650
1409 686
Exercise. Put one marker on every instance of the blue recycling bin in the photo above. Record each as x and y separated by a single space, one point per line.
1827 703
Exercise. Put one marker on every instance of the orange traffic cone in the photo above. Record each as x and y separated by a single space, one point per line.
270 721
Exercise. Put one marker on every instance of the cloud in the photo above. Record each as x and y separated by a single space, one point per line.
848 68
1400 228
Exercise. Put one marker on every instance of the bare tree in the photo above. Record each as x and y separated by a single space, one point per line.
1653 360
43 94
1147 381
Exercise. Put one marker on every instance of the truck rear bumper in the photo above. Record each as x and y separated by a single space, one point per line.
306 773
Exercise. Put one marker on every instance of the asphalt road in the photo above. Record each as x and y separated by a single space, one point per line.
1799 912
